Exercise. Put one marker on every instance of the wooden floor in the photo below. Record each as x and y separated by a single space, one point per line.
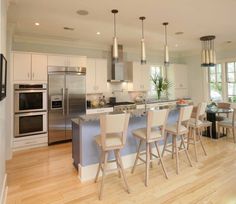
46 175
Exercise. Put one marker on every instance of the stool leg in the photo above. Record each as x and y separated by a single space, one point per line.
173 149
147 163
188 138
99 166
176 154
122 170
200 139
137 156
162 164
234 134
165 142
118 165
195 143
186 152
103 174
150 149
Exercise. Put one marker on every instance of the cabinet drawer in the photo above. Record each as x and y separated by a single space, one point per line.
141 106
29 142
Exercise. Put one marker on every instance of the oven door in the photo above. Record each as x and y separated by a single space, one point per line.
30 123
30 100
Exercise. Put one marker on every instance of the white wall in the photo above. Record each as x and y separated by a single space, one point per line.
3 134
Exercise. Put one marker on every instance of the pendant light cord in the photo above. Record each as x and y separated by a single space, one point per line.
142 30
114 25
165 34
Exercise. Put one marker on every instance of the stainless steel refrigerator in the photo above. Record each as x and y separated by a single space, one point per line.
66 100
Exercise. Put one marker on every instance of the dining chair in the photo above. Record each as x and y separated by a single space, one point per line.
222 116
196 125
178 131
228 124
112 138
152 134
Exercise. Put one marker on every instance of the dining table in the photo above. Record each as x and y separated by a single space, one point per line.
212 116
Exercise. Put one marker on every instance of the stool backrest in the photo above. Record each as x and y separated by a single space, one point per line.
157 118
184 116
114 123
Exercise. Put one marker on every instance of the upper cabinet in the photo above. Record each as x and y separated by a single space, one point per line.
178 76
67 61
96 76
141 77
29 67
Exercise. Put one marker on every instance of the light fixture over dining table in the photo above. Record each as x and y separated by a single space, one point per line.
208 51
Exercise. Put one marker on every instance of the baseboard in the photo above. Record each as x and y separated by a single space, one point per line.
88 173
3 196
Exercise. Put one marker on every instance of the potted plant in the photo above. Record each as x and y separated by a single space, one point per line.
161 85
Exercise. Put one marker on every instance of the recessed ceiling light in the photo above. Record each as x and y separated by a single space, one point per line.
229 41
179 33
68 28
37 24
82 12
98 33
176 45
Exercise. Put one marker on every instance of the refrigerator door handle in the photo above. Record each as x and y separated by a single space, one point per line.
67 101
63 99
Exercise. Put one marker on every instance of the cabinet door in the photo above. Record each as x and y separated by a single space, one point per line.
101 75
181 80
75 61
39 67
137 86
90 76
145 77
57 60
22 66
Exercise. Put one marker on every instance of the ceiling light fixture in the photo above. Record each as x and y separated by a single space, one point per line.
179 33
98 33
208 51
82 12
68 28
143 50
166 51
37 24
115 43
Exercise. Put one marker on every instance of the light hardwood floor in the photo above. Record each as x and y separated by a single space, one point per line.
46 175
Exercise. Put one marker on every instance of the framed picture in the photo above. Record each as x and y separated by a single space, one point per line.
3 77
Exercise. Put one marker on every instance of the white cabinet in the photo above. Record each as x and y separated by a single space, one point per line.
178 76
67 61
140 77
29 67
96 76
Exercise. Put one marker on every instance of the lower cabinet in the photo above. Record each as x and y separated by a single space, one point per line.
28 142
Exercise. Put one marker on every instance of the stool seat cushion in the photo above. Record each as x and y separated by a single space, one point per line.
142 134
173 128
226 122
112 140
206 123
194 122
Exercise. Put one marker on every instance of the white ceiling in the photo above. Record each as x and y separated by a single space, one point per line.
193 17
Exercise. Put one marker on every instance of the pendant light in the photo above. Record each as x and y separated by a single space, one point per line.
143 50
166 51
115 43
208 51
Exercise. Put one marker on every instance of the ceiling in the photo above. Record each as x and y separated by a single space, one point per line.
195 18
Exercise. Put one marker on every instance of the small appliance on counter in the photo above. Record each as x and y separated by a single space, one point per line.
112 100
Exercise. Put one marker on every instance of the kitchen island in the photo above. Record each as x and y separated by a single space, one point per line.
85 152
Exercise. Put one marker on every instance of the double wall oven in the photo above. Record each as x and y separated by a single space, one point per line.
30 109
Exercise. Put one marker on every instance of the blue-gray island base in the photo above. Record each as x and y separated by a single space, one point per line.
85 152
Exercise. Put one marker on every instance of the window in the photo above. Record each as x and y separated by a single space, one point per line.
231 81
154 70
215 82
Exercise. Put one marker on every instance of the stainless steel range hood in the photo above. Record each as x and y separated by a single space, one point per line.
120 71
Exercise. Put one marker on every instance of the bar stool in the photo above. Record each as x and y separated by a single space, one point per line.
196 125
112 138
178 130
154 132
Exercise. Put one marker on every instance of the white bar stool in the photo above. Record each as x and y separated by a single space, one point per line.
178 130
154 132
112 138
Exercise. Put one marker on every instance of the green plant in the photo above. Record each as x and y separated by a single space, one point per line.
161 84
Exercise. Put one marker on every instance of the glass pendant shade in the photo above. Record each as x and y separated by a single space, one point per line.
166 50
115 55
143 48
208 51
